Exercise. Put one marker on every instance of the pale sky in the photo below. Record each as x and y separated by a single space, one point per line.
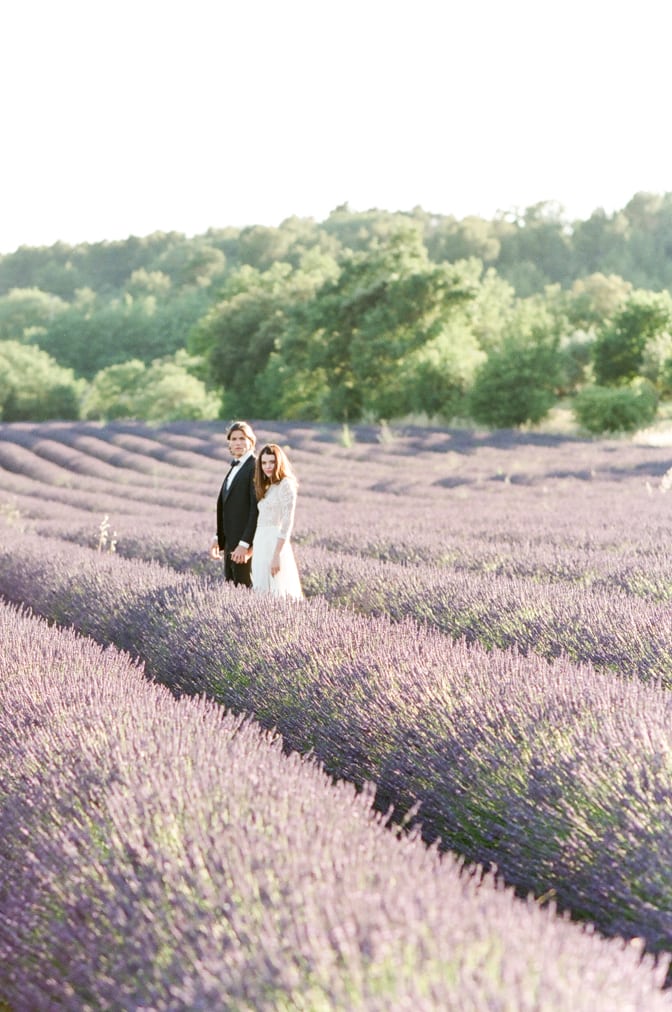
139 116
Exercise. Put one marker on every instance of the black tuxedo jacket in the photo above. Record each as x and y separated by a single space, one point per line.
237 509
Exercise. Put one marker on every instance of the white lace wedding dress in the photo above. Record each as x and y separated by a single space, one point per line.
276 520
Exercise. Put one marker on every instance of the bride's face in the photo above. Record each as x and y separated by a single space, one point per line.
268 464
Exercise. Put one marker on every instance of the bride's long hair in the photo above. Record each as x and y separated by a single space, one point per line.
282 469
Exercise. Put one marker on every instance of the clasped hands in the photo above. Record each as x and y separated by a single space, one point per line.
239 555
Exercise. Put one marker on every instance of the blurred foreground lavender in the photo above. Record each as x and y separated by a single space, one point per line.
160 854
556 772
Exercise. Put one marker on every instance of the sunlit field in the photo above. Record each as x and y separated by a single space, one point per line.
441 781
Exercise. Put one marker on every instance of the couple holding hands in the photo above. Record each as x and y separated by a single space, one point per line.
255 517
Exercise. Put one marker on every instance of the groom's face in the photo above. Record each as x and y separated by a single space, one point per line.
239 444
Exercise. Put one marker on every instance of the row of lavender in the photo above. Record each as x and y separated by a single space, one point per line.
551 519
559 489
587 514
556 773
561 570
160 854
635 558
602 624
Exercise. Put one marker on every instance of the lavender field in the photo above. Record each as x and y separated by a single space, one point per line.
478 682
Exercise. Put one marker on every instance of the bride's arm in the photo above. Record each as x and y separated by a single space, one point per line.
287 497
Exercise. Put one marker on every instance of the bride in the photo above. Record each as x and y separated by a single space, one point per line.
273 563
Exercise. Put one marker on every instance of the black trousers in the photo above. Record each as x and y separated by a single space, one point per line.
239 573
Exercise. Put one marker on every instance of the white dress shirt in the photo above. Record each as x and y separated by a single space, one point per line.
232 474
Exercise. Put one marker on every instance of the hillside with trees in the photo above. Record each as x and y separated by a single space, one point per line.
363 316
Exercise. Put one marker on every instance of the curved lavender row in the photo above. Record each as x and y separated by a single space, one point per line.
507 456
642 568
522 532
558 532
166 505
555 773
591 557
169 856
117 488
178 538
604 626
451 467
611 630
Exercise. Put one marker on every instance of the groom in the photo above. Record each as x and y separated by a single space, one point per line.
237 508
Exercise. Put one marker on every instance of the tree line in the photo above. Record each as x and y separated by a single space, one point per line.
372 315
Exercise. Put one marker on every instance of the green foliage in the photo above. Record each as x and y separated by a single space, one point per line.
620 346
657 362
192 264
115 391
33 387
171 392
594 300
165 391
460 240
517 384
362 231
535 249
362 329
521 379
431 388
25 312
437 377
240 334
366 314
600 245
492 309
92 334
529 248
577 353
601 409
648 263
143 282
294 389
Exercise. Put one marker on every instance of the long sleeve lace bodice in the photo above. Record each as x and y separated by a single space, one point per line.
278 506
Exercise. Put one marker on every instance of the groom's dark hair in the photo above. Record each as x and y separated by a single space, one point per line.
244 428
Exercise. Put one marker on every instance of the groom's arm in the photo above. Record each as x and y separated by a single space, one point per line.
252 513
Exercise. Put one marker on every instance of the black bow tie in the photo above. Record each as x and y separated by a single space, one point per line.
235 463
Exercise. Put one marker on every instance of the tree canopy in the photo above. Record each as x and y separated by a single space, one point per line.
372 314
33 387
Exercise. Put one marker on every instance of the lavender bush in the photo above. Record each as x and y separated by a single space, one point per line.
501 750
161 854
527 533
553 549
602 624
